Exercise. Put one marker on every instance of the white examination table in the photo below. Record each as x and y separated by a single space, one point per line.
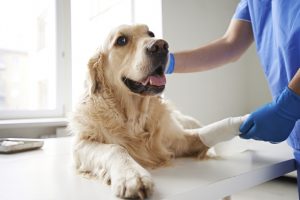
48 174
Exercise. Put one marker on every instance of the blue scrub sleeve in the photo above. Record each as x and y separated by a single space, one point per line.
294 138
242 11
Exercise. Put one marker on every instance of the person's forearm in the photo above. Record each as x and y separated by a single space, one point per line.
295 83
210 56
222 51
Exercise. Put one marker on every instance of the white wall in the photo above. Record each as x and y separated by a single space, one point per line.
257 91
148 12
232 90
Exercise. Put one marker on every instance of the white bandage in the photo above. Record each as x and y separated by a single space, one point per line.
221 131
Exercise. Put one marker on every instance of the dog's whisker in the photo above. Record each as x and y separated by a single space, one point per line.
128 75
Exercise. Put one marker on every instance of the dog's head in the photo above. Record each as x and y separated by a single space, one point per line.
132 60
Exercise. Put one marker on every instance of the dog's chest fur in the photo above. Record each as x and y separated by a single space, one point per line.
133 123
143 117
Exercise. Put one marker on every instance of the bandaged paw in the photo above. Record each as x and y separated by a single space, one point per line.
221 131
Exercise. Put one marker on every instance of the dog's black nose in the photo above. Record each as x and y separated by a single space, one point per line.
157 47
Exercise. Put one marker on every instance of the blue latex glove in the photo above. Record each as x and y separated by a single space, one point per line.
171 64
274 121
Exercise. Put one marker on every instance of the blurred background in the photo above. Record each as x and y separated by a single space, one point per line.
45 45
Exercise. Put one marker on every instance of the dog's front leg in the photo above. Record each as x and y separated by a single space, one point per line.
186 142
113 163
220 131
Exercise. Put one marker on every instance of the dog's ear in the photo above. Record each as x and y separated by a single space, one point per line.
95 73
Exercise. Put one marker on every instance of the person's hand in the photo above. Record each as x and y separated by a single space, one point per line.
274 121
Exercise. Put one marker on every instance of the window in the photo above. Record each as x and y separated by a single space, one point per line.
36 79
30 59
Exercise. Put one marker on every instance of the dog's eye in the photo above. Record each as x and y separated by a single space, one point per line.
151 34
121 41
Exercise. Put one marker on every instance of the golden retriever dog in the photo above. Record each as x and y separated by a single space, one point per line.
123 125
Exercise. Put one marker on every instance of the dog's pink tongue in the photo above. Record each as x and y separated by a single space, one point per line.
158 80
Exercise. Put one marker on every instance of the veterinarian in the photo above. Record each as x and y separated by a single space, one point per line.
274 26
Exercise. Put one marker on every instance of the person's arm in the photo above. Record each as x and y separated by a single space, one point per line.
229 48
275 121
295 83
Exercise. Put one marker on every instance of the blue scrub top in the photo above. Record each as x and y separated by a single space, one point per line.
276 30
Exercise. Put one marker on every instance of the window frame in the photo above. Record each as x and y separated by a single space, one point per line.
63 69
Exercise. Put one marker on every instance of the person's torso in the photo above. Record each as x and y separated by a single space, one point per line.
276 28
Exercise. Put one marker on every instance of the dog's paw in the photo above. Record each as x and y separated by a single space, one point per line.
133 184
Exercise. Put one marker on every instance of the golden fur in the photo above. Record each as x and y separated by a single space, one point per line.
120 133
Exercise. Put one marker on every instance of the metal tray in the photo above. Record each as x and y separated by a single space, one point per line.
13 145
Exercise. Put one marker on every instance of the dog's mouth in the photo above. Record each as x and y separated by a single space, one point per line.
152 84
